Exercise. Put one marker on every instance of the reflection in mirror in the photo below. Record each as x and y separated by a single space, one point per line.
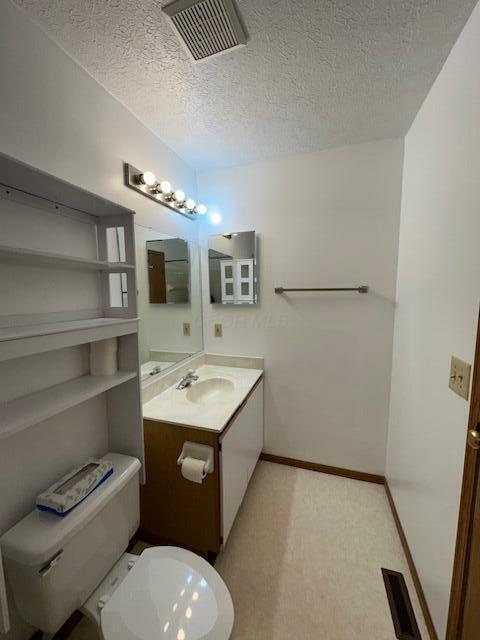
118 289
232 268
169 301
168 271
116 244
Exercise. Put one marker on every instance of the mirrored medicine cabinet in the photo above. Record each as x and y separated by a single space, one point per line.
232 268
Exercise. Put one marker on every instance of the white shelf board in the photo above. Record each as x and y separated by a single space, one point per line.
20 341
16 333
20 176
22 256
24 412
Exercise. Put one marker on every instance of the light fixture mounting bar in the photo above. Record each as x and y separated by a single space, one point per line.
131 176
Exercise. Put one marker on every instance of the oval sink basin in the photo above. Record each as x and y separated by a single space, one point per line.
209 390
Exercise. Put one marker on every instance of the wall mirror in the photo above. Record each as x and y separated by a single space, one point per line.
169 300
232 268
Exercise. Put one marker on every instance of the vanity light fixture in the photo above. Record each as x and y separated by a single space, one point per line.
146 183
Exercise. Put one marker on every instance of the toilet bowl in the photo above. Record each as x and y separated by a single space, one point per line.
167 592
57 565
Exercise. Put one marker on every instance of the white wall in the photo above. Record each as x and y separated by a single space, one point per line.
437 311
54 116
324 219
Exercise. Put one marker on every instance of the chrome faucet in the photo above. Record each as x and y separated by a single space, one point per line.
187 380
154 371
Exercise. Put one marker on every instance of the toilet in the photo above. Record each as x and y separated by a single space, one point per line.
56 565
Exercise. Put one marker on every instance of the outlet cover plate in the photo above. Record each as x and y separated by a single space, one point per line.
218 330
186 328
460 372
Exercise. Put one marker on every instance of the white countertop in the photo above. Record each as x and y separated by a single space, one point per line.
213 413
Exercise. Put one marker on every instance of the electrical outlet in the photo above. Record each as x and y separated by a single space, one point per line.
186 328
460 377
218 331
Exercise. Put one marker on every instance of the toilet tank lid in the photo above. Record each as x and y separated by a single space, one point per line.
40 535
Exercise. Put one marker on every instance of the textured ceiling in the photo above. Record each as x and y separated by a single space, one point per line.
314 73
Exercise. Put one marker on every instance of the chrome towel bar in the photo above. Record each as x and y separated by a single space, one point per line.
361 289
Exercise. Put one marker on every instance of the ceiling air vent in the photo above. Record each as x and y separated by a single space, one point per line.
206 27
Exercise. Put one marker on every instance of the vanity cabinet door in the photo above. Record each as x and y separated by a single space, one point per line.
254 444
234 476
241 447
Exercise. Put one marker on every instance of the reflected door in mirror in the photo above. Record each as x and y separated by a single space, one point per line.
244 281
156 277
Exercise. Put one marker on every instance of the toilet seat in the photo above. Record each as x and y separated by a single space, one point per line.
169 594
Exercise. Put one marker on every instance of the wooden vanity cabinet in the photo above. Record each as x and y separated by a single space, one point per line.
199 516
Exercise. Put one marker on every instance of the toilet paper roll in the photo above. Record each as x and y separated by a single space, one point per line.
193 469
103 357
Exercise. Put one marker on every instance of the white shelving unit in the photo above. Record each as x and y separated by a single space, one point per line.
51 301
29 410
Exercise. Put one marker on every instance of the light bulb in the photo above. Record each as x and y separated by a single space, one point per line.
165 187
201 209
190 204
179 195
215 218
148 178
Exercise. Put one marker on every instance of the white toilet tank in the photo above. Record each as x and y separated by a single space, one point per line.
53 564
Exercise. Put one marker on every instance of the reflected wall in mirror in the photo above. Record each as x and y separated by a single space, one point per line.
232 268
169 302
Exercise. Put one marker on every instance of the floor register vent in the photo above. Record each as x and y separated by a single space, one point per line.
206 27
403 617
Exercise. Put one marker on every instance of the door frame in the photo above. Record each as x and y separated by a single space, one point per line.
470 485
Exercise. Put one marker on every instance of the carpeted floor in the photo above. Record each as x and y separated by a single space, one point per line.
304 557
303 560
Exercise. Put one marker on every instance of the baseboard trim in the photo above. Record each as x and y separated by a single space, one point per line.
411 565
323 468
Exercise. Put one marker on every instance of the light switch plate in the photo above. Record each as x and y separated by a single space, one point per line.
218 330
460 372
186 328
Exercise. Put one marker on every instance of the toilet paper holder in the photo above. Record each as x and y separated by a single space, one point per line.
198 451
